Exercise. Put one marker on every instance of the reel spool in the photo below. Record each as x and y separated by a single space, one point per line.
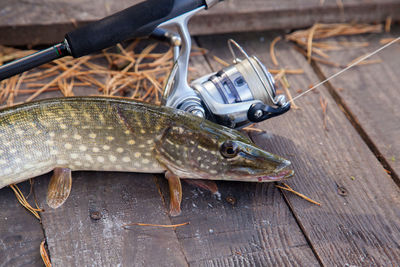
240 94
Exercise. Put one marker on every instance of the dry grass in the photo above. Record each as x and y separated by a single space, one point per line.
21 199
124 73
310 40
44 255
288 188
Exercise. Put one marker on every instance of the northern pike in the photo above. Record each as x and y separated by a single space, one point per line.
113 134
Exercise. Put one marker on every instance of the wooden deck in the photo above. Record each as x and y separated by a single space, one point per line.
352 168
47 21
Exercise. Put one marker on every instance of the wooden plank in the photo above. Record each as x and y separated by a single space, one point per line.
87 230
371 95
20 232
251 226
29 23
358 222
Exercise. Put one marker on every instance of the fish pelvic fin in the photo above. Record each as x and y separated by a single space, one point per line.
59 187
175 192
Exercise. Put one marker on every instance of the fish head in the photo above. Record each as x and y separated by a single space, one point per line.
210 151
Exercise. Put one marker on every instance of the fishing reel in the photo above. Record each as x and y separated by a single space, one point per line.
235 96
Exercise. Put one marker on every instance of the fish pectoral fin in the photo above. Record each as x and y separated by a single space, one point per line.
175 192
205 184
59 187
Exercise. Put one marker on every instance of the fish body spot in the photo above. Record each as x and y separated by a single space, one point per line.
126 159
95 149
100 159
110 138
120 150
112 158
131 142
92 135
68 146
77 137
61 162
49 142
88 157
82 148
106 147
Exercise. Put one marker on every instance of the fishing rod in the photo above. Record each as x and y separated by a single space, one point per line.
136 21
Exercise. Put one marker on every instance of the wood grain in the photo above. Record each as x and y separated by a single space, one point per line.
250 225
371 94
20 232
88 229
47 21
358 222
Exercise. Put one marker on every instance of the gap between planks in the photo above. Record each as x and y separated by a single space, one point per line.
157 180
355 123
298 222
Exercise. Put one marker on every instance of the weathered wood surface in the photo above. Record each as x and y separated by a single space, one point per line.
88 229
371 94
20 232
358 222
46 21
250 226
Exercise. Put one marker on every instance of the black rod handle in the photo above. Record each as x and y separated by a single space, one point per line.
32 61
136 21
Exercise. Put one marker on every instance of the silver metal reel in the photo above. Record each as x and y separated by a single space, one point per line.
236 96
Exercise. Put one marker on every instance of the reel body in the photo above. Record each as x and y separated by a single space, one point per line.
235 96
231 93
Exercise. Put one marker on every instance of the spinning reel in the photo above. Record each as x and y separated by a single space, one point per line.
235 96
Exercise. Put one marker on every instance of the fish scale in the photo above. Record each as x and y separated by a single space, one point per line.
112 134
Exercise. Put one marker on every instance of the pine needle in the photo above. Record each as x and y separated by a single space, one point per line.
44 255
21 198
156 225
251 128
288 188
272 50
388 24
221 61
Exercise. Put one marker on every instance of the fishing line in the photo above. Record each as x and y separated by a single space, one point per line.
347 68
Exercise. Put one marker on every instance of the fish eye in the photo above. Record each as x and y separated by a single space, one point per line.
229 149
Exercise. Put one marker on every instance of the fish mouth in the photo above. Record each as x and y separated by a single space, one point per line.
281 173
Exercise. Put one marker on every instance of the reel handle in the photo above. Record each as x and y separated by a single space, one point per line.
260 112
